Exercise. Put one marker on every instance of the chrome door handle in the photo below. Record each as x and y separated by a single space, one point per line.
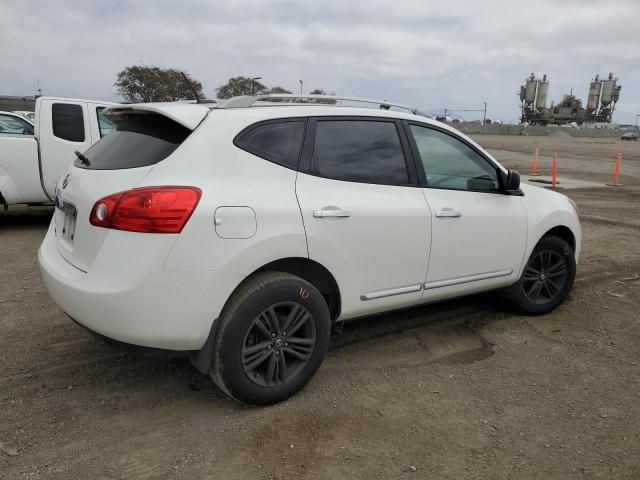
447 213
331 212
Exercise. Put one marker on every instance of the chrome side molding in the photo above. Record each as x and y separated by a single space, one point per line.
431 285
391 292
467 279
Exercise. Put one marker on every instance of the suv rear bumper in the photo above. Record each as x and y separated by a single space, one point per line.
134 300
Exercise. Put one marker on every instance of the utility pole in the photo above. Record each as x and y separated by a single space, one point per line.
638 115
484 118
253 84
301 85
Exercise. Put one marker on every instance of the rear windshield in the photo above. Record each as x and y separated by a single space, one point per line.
138 140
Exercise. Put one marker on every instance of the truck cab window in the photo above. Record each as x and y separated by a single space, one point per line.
68 122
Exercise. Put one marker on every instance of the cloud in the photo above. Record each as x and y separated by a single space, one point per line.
432 54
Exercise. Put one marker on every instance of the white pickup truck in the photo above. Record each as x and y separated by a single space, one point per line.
33 157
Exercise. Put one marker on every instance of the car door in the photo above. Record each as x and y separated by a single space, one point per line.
364 214
479 231
63 129
19 174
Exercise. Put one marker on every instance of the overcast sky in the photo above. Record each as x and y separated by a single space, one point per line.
431 54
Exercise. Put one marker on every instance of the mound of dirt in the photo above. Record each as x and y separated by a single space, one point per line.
559 134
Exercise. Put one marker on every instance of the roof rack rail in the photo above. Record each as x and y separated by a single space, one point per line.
248 100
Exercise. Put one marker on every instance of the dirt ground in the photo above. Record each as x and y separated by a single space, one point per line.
463 389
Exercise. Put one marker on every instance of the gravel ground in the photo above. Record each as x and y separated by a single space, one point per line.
463 389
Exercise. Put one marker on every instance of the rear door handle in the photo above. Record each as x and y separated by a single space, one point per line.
331 212
447 213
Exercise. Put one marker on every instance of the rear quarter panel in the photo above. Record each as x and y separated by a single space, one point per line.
231 177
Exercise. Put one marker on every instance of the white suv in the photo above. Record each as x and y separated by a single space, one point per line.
241 232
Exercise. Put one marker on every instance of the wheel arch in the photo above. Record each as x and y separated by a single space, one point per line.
563 232
314 273
311 271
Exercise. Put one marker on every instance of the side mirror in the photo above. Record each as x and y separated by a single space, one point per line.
512 181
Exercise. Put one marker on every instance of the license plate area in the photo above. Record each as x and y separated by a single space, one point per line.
66 214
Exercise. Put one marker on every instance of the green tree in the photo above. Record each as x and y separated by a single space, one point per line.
153 84
237 86
278 90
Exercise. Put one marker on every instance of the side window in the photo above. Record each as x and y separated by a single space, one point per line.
104 124
449 163
68 122
365 151
11 125
278 142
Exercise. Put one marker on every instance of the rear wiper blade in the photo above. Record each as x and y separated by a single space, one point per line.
83 158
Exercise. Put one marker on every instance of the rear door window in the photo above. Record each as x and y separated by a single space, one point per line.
68 122
367 151
138 140
277 141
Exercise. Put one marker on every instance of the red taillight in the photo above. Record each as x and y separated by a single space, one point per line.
148 209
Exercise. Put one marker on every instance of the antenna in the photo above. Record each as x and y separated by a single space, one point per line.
195 93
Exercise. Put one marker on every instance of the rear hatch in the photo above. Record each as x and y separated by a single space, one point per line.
144 135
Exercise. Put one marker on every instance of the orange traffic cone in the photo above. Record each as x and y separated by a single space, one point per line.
616 172
534 163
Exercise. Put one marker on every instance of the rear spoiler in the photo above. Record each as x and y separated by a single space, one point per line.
188 115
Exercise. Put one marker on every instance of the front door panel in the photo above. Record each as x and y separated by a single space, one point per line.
481 248
479 233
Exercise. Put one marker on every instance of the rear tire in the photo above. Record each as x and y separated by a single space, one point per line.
272 337
547 277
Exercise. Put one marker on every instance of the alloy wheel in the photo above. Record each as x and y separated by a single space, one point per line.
544 276
278 344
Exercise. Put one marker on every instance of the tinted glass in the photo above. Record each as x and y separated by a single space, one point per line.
104 124
359 151
278 142
68 122
137 141
450 163
11 125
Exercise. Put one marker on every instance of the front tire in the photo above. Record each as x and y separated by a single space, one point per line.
547 277
272 337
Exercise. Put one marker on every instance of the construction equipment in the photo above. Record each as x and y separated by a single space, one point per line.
601 101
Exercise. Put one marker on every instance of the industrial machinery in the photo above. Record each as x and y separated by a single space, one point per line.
603 96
